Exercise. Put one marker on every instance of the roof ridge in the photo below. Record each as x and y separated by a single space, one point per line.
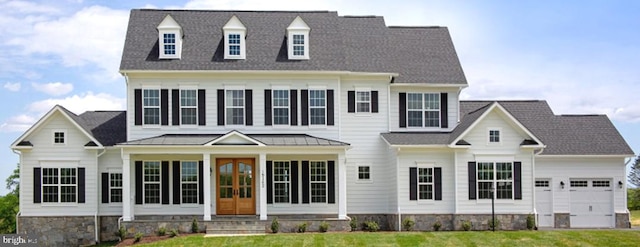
231 11
582 115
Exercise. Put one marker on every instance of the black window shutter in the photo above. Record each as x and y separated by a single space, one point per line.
437 183
202 107
402 112
137 101
330 108
220 107
248 105
444 115
269 182
472 179
175 107
81 185
139 177
413 183
304 107
164 105
176 183
305 181
267 107
374 101
105 187
294 182
165 182
37 186
517 180
331 181
351 101
201 182
294 107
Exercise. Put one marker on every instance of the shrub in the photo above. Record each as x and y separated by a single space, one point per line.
137 237
531 222
275 225
354 223
121 233
173 233
162 231
372 226
194 226
466 225
494 224
302 227
324 226
408 224
437 225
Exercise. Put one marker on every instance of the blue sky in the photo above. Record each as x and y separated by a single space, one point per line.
580 56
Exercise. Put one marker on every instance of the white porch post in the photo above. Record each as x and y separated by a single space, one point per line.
342 186
206 170
127 209
263 186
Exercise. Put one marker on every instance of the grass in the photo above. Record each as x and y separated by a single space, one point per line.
635 218
484 238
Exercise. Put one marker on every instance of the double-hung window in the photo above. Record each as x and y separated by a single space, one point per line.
318 181
151 106
363 101
298 44
235 107
425 183
189 182
151 170
115 187
280 107
498 175
169 41
281 181
317 107
59 185
234 44
423 109
189 107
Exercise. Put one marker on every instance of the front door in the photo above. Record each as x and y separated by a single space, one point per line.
235 187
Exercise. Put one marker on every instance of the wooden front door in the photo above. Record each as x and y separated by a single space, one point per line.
235 187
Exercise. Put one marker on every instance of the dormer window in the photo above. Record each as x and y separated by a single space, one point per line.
234 39
298 39
169 39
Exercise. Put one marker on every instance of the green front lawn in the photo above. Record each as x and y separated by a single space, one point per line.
635 218
485 238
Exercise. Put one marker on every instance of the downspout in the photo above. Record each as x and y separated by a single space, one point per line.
126 80
340 109
389 103
20 204
18 224
533 178
398 190
624 191
96 227
458 102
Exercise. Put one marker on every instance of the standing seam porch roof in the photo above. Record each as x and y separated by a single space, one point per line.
202 139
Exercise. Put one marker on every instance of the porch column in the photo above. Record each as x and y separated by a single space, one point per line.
263 186
206 170
342 186
127 209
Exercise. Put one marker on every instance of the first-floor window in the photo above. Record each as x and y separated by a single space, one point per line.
425 183
151 182
364 173
189 182
281 181
115 187
498 175
318 181
59 184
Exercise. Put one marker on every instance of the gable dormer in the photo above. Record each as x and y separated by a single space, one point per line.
298 39
169 38
234 39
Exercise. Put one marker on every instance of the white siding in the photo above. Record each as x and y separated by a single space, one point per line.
110 162
433 158
44 151
563 169
452 107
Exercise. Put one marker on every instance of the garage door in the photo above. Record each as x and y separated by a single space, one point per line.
544 203
591 203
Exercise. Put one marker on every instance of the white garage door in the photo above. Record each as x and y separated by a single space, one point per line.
544 203
591 203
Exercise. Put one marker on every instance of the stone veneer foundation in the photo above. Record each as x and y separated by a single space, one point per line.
59 230
561 220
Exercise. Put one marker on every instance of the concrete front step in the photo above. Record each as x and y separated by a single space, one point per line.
236 227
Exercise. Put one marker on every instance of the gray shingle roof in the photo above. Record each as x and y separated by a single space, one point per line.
337 43
562 134
107 127
267 139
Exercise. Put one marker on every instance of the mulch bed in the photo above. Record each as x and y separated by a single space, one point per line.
150 239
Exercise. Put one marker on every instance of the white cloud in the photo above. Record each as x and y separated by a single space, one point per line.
13 87
18 123
53 88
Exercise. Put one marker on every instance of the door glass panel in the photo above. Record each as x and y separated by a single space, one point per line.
225 174
244 176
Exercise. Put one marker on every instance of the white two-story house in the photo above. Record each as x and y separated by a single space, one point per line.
309 116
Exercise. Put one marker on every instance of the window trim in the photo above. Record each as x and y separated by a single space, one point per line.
177 43
423 110
288 182
360 172
159 107
495 180
64 137
241 45
325 182
273 106
182 182
357 101
58 185
115 172
432 183
159 182
228 118
195 107
291 45
489 137
316 107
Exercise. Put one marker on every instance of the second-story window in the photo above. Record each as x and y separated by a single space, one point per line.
169 43
280 107
234 107
423 110
317 107
234 44
363 101
188 107
151 106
